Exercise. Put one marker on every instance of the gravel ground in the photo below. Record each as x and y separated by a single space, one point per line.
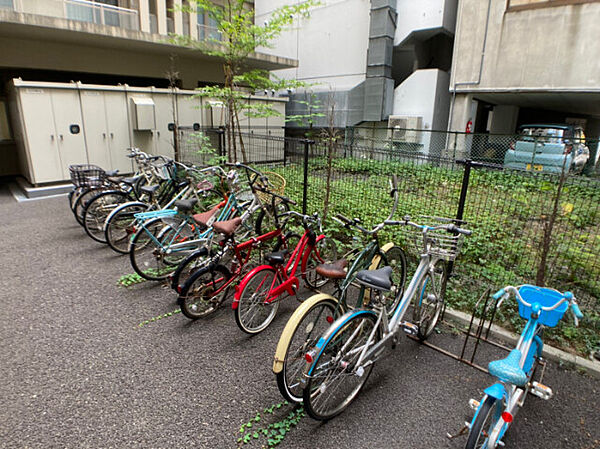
78 371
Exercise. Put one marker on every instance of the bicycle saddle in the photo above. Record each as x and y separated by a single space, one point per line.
377 279
203 218
508 369
117 180
112 172
185 205
277 258
150 189
227 227
335 270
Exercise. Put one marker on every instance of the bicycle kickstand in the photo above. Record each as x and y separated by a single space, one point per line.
464 429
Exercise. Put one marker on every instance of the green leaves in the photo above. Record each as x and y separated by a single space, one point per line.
275 432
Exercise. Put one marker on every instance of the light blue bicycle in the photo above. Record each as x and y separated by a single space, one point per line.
542 307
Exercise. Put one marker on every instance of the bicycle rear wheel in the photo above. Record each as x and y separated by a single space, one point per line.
253 314
488 415
204 292
325 252
301 333
146 251
430 300
98 209
334 379
120 226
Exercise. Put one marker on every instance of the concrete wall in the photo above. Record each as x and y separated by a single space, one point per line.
428 15
24 53
330 46
546 48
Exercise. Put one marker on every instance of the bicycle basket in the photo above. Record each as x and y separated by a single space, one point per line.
276 185
87 175
545 297
439 243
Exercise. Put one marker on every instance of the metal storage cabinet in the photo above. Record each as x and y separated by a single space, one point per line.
188 110
52 133
163 138
96 131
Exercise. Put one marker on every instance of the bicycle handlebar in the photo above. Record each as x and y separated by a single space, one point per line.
566 297
450 227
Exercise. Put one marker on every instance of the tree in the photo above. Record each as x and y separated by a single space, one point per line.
236 38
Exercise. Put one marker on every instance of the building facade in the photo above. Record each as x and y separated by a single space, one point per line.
103 43
380 62
526 62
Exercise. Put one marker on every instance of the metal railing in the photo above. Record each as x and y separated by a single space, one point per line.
79 10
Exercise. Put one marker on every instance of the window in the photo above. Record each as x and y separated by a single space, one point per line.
208 27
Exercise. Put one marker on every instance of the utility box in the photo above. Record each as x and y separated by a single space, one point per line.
143 114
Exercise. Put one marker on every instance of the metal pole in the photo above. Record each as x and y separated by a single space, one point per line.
463 190
221 134
176 148
305 187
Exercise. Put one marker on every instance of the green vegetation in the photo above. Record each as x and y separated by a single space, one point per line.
507 212
270 435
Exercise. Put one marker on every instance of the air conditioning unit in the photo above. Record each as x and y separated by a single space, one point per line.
405 128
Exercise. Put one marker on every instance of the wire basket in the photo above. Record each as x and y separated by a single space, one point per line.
87 175
276 185
440 243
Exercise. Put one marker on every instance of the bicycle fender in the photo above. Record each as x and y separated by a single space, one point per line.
377 258
240 287
290 327
119 208
496 391
337 325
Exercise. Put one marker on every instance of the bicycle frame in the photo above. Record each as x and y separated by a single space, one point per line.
285 276
530 344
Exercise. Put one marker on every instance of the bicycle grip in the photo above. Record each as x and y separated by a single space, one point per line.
576 311
498 294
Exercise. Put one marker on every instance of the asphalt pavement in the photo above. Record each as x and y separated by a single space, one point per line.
78 371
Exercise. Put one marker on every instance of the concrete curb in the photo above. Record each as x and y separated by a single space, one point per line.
590 366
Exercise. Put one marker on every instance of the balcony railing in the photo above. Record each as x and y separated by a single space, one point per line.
80 10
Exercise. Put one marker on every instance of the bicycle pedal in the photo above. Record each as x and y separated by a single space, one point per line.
474 404
541 391
409 328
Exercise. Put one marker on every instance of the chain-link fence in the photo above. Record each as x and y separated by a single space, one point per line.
520 215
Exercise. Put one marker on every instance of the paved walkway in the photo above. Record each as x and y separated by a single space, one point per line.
77 371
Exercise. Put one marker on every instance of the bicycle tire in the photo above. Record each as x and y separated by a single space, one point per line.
81 202
197 299
325 251
188 267
393 256
97 211
485 420
301 333
252 301
430 300
333 369
149 268
120 226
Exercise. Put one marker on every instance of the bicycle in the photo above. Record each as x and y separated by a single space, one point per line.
259 185
342 360
257 298
541 307
314 315
119 226
207 287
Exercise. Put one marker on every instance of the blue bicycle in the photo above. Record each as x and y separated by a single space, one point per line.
542 307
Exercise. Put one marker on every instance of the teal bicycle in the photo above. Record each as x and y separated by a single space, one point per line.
541 307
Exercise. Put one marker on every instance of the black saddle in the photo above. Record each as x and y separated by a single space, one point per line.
185 205
277 258
150 190
377 279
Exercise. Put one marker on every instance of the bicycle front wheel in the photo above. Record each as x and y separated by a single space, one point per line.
204 292
301 333
253 314
488 415
334 378
429 300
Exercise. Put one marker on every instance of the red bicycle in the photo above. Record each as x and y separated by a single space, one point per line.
257 298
